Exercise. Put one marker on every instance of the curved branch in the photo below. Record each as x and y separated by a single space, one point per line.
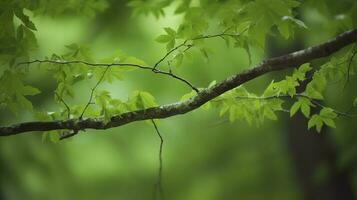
273 64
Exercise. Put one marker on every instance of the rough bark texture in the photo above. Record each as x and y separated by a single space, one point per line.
273 64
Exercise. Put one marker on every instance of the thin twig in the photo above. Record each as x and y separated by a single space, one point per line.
65 104
92 92
193 39
157 71
158 184
168 53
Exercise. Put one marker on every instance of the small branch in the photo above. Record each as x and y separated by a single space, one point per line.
157 71
193 39
92 92
169 53
158 184
65 104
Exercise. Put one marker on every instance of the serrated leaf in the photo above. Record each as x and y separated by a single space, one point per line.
299 74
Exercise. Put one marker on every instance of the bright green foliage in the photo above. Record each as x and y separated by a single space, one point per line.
240 104
149 7
168 38
13 92
326 116
303 104
287 86
315 88
141 100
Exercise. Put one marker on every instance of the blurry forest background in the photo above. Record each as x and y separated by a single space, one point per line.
205 157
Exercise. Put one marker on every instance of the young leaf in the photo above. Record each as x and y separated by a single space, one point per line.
294 108
170 31
163 38
24 18
315 120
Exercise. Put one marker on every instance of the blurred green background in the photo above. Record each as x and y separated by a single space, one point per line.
205 156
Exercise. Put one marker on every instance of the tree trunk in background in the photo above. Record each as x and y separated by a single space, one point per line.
313 154
315 159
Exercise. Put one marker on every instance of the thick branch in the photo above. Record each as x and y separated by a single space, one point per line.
278 63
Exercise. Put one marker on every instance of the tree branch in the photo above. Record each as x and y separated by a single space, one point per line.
156 71
273 64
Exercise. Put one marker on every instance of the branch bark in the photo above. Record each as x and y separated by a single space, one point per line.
290 60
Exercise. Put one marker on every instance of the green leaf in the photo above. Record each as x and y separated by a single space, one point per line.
295 108
141 100
269 113
24 102
305 109
271 90
329 122
54 136
30 91
163 38
328 113
178 59
24 18
170 31
170 45
299 74
298 22
316 86
355 102
315 120
184 5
